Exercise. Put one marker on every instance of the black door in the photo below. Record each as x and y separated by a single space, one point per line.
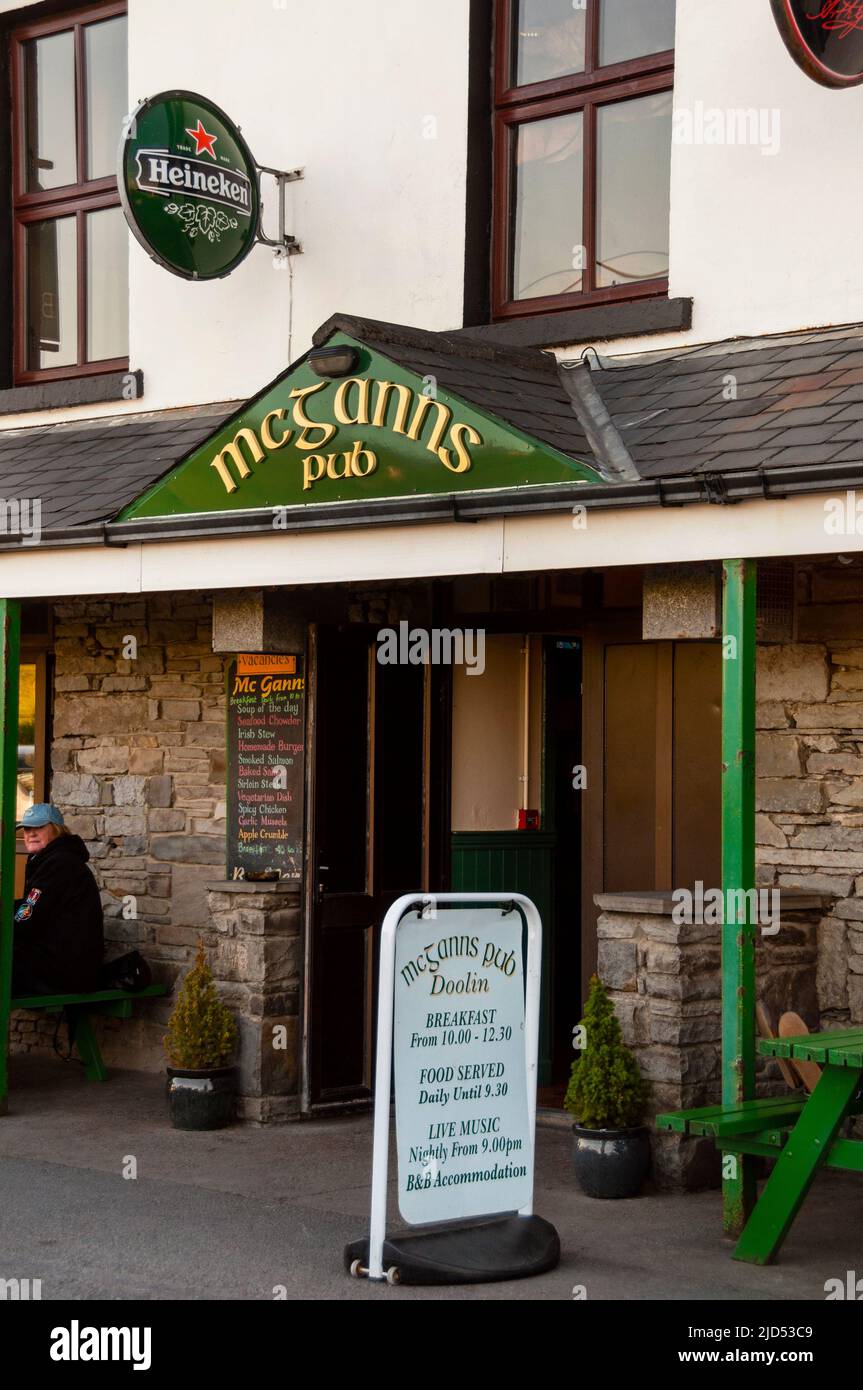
369 845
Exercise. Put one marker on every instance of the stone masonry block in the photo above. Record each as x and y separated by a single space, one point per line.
617 964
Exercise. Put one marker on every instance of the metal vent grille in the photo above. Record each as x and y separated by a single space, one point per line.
774 613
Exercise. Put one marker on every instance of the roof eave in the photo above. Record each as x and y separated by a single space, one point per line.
689 490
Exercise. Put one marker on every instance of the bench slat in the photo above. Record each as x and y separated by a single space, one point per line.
743 1118
59 1001
843 1049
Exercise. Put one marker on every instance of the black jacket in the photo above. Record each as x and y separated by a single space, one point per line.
59 933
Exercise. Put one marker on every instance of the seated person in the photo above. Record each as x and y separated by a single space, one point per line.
58 939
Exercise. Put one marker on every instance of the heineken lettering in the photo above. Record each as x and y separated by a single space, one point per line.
159 172
189 185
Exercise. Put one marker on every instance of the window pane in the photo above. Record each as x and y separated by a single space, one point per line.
548 39
107 95
634 28
633 178
547 251
107 285
52 300
49 112
26 739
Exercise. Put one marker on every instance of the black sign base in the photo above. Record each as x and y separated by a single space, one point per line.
515 1247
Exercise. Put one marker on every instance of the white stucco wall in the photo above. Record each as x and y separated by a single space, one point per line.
762 243
371 99
349 92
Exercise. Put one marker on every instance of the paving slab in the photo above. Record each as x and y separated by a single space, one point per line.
259 1212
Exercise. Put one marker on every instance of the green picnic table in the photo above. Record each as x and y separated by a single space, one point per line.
800 1132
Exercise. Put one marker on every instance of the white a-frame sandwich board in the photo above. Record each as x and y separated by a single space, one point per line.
458 1016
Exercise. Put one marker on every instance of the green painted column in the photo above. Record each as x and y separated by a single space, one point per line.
738 871
10 658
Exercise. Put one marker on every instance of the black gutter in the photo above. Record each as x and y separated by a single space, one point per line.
690 490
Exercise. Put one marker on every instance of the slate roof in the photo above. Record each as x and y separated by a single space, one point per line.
86 471
795 400
749 406
522 387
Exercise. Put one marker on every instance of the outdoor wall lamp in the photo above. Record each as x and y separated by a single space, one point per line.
334 361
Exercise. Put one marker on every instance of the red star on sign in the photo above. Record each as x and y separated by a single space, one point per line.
203 142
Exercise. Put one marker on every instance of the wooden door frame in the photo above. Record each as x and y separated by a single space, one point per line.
309 887
600 631
437 758
308 897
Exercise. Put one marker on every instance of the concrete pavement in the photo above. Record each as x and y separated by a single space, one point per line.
239 1213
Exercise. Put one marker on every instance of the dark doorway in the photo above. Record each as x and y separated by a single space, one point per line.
371 843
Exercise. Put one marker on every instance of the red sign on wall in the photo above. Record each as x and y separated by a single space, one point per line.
824 37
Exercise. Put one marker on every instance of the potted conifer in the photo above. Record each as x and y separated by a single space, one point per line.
201 1037
606 1097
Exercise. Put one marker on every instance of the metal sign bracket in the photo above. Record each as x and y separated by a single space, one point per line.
283 241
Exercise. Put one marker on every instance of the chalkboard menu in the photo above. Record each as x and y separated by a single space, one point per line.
266 760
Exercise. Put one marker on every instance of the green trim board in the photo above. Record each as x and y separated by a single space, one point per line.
738 866
381 432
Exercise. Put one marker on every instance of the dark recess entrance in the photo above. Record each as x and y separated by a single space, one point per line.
377 728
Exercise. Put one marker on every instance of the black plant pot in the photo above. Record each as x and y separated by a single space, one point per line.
611 1162
204 1099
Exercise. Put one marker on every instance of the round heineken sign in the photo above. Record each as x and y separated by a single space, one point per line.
825 38
189 185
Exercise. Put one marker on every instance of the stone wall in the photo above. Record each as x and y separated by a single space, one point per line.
254 941
138 759
809 827
665 980
809 839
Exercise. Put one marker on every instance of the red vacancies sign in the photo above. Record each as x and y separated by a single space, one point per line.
824 37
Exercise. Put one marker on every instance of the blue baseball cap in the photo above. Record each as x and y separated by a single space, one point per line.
43 813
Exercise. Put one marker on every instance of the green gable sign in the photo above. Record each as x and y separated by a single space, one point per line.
380 432
189 185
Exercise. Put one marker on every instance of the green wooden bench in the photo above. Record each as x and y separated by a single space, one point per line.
116 1003
801 1132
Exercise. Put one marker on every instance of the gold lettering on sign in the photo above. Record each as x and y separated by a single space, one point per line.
233 463
332 471
267 438
444 415
299 394
233 452
309 477
405 396
358 453
456 434
340 405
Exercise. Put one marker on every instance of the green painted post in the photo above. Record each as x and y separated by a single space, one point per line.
738 872
10 656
